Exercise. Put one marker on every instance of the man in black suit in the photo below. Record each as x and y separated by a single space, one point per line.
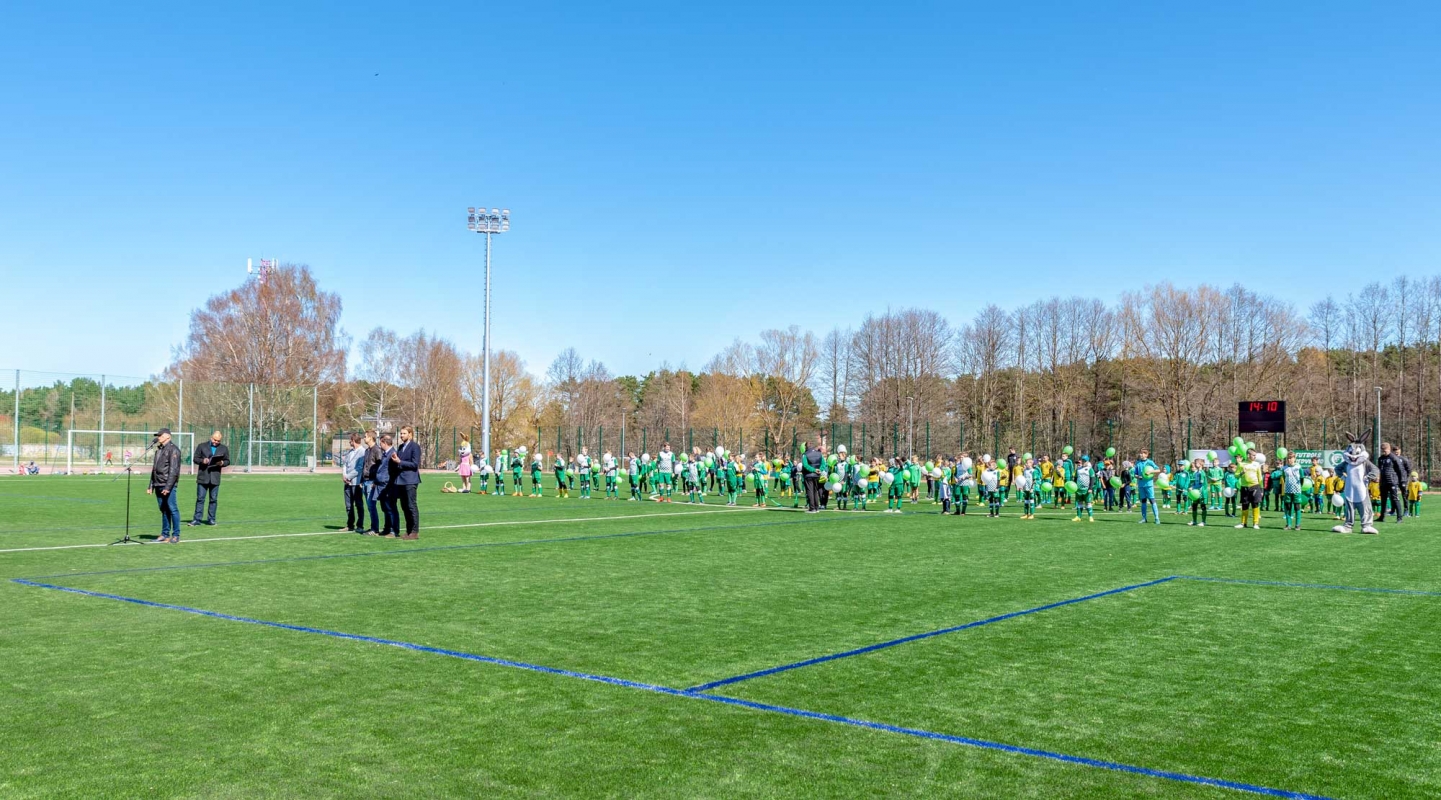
405 467
210 458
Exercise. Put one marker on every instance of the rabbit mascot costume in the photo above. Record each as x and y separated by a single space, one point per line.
1358 472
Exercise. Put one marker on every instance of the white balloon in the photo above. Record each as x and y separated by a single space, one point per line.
1337 500
862 484
967 465
840 448
887 478
935 473
1228 492
835 488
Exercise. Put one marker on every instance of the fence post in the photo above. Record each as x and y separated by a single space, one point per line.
17 420
928 438
1152 448
250 432
963 434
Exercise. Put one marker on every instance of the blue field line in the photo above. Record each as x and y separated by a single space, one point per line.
436 548
705 687
730 701
1337 587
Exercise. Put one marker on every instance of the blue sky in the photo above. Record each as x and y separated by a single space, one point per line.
681 174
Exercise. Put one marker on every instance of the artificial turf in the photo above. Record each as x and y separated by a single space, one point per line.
1323 691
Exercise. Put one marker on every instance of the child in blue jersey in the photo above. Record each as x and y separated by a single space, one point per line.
1145 473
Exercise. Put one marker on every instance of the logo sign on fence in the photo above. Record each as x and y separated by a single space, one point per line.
1328 459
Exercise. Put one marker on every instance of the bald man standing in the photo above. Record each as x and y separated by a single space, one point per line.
210 458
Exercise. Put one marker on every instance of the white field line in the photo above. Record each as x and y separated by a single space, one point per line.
428 528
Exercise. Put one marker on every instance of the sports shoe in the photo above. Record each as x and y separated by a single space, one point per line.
1256 527
1200 524
1191 524
1239 527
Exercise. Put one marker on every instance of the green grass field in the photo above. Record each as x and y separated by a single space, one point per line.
546 647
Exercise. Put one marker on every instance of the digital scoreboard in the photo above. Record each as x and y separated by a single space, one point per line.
1262 416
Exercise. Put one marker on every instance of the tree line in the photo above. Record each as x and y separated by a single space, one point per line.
1178 357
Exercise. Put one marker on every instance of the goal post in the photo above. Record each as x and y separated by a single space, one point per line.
280 454
120 448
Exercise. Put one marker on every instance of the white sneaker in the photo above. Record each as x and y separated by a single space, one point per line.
1370 529
1191 524
1239 527
1341 529
1200 524
1255 527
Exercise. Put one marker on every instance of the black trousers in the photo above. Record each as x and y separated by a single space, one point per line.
200 494
813 491
410 509
355 507
1391 493
388 494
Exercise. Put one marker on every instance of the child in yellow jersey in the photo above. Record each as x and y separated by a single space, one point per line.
1413 496
1375 487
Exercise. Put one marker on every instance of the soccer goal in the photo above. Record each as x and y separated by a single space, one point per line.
118 449
281 455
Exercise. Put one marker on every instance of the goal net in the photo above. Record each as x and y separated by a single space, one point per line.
279 455
98 451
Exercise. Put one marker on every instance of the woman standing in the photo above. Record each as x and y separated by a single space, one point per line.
467 467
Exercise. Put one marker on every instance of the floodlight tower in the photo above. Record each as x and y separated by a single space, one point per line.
478 220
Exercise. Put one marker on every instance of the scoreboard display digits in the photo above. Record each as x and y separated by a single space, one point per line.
1262 416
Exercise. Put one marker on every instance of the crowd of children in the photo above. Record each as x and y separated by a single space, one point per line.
1240 488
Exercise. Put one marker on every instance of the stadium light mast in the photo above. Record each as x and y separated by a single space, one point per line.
478 220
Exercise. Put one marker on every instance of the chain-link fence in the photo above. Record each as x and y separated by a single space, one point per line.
59 422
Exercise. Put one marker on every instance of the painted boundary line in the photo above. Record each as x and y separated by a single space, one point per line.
1336 587
730 701
435 549
428 528
705 687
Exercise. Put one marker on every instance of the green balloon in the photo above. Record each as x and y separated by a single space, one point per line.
1027 457
1250 445
831 460
1282 452
1067 450
1306 485
1238 442
930 466
779 463
1115 481
1110 452
834 478
1071 487
1425 487
1194 494
684 458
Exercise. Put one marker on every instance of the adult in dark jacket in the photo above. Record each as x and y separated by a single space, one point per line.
210 458
405 464
1395 473
163 476
373 454
812 464
383 478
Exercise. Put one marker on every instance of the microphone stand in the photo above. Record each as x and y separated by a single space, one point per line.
129 471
